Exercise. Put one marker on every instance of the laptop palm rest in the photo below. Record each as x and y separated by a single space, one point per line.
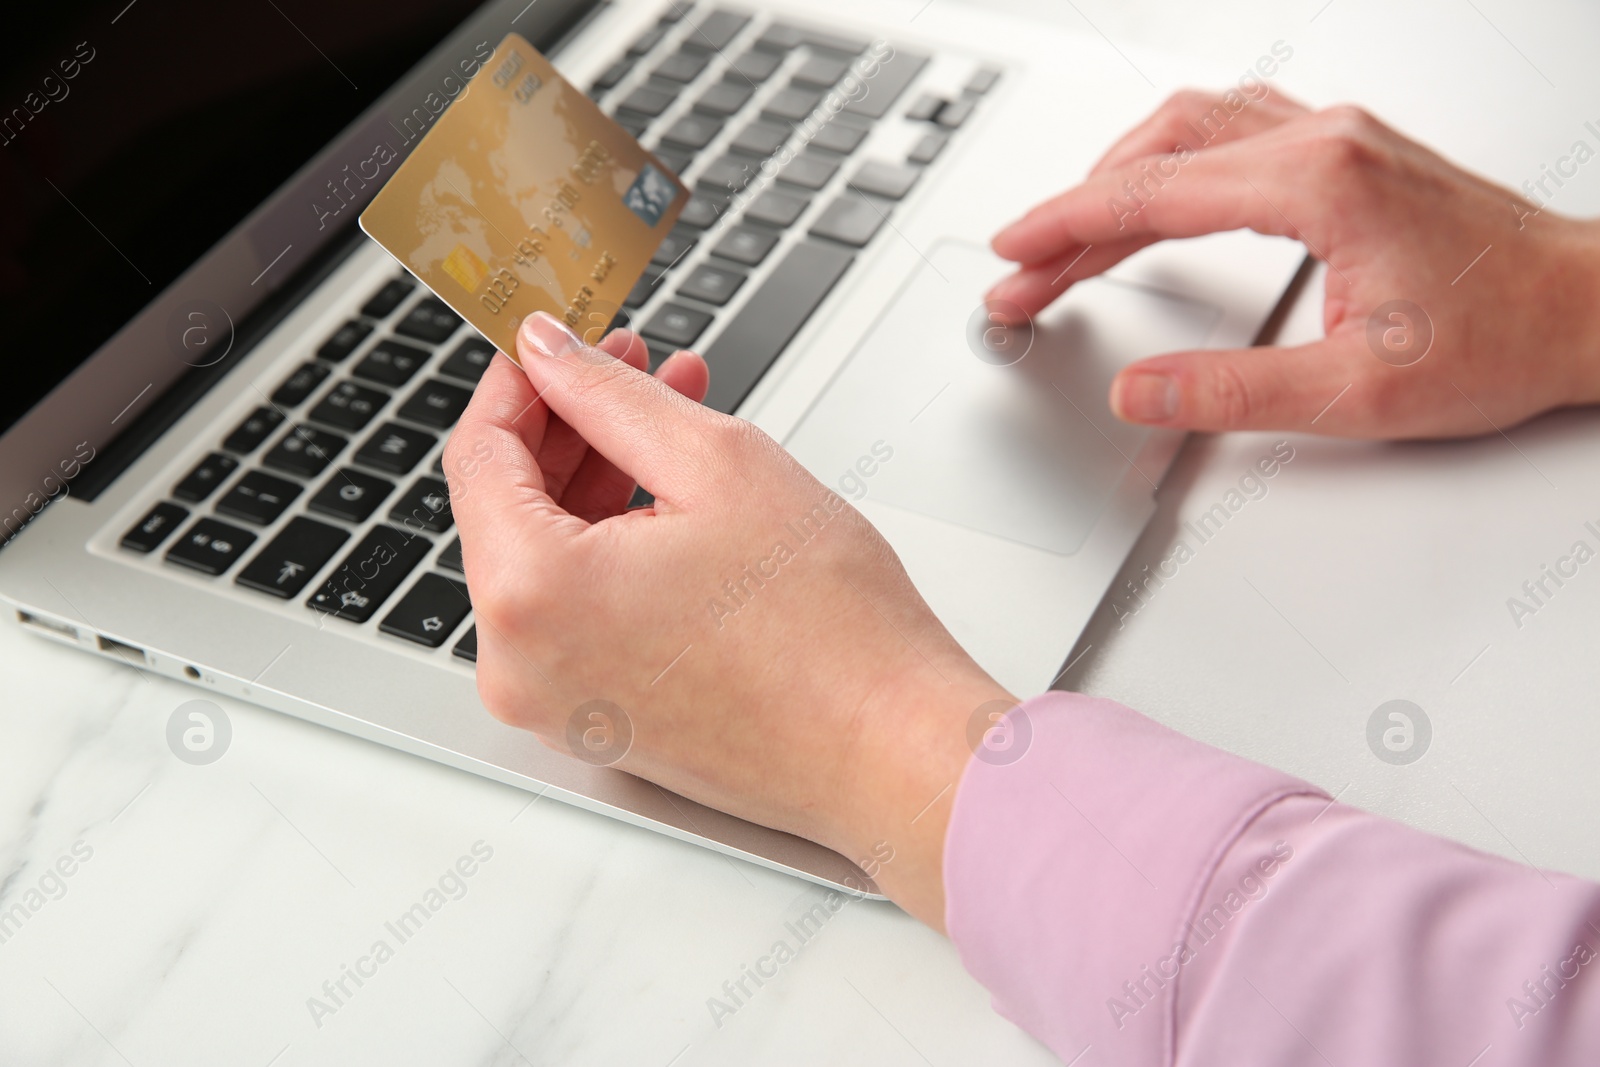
1027 450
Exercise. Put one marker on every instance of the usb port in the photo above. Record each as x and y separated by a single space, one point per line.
112 647
49 626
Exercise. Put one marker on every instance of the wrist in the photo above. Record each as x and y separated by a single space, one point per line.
1589 254
912 749
1574 279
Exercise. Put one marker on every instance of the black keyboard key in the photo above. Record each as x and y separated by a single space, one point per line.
345 340
782 37
676 325
351 495
370 574
435 403
388 298
821 71
646 101
753 67
206 476
703 210
613 75
349 406
883 89
676 160
470 359
634 124
148 533
809 170
210 547
450 557
305 451
467 647
953 114
745 244
644 288
430 612
792 104
248 435
925 108
891 180
776 207
648 40
770 318
716 31
425 506
840 137
728 175
395 449
301 549
682 66
390 363
983 80
258 498
714 285
760 139
299 385
852 219
928 148
674 246
693 131
431 321
723 99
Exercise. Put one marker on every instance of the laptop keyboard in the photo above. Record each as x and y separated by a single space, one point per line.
724 103
330 468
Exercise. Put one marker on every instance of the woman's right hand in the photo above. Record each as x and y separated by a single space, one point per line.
761 640
1452 305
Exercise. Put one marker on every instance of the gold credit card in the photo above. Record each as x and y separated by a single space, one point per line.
524 197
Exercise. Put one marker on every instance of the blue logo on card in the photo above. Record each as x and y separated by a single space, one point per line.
650 195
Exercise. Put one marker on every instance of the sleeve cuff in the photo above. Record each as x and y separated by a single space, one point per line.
1074 862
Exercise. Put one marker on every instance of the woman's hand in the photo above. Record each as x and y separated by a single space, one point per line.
1452 306
761 639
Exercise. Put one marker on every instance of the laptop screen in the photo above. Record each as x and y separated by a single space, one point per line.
134 135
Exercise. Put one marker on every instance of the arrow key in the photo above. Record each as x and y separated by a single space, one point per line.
292 558
430 612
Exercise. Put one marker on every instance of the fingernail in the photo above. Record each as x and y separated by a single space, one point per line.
548 335
1148 396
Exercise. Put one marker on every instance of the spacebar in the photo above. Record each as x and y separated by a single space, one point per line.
763 328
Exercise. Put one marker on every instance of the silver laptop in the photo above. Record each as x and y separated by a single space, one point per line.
220 394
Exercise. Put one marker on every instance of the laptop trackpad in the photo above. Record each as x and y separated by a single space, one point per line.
1028 451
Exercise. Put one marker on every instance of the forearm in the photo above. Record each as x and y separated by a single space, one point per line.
1384 945
1124 887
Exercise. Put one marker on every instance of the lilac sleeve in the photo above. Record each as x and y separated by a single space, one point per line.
1130 896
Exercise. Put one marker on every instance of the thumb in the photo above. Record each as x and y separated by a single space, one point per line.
1236 389
635 420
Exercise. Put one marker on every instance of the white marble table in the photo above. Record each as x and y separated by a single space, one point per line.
208 905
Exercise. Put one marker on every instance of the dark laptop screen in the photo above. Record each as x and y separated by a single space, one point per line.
134 135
